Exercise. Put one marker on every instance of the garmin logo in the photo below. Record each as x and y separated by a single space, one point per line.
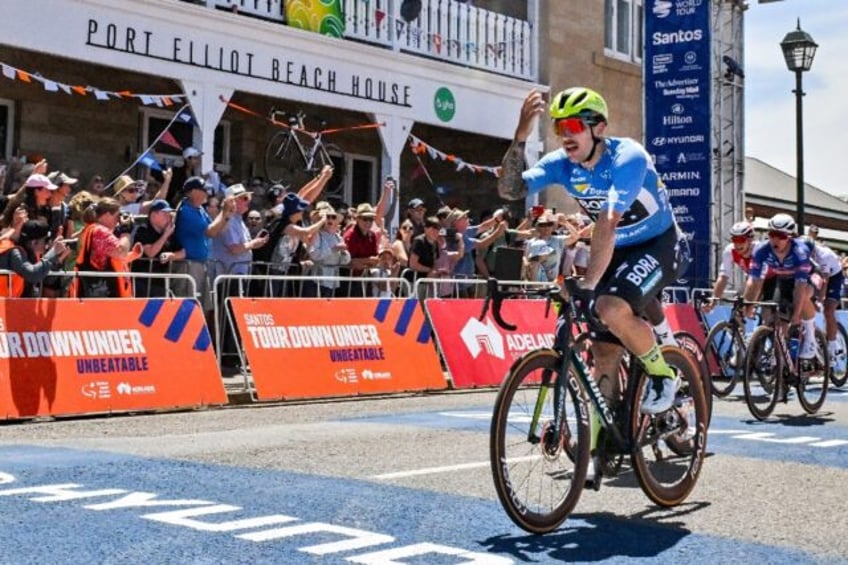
682 36
680 175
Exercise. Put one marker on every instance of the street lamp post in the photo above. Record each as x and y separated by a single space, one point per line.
798 50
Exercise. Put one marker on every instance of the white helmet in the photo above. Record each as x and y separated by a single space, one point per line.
742 229
782 223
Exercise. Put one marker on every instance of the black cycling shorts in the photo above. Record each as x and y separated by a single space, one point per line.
637 274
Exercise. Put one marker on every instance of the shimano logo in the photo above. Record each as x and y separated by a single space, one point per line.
682 36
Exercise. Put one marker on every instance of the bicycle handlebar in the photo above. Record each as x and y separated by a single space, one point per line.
495 297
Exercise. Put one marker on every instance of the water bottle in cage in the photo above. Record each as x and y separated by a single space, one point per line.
794 342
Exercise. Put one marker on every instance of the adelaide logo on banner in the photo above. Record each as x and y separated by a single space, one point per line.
478 352
62 357
308 348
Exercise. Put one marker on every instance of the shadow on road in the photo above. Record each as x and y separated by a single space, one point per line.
595 537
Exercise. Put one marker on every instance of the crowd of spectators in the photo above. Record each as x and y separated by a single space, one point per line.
201 227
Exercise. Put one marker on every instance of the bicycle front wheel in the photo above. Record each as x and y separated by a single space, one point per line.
725 354
668 449
839 378
538 472
813 377
284 162
763 377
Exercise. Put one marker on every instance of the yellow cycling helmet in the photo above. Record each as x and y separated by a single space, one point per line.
579 102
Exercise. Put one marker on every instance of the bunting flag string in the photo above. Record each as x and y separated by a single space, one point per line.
419 148
50 85
276 123
146 157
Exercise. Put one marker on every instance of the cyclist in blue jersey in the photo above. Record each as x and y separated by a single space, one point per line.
788 260
634 242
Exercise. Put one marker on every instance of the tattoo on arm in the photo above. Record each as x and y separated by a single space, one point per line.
510 184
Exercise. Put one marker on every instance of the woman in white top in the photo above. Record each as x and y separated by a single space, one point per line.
328 252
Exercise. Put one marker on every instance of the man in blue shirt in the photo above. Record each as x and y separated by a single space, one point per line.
634 241
194 227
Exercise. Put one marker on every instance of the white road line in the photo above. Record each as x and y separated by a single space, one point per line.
445 469
830 443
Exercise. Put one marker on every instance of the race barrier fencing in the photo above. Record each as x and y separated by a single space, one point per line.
320 347
69 356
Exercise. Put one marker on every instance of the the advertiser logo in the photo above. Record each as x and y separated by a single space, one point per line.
479 337
662 141
96 389
347 376
369 375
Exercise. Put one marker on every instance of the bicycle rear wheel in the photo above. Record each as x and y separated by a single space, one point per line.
689 344
725 358
839 379
813 377
284 162
668 449
763 377
537 481
333 156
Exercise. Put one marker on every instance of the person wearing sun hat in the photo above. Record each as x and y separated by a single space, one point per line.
328 252
535 253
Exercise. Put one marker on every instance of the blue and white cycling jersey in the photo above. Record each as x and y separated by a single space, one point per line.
796 264
624 180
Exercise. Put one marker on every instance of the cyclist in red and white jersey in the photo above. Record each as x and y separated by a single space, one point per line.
738 252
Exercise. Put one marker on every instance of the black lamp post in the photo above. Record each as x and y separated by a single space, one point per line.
798 50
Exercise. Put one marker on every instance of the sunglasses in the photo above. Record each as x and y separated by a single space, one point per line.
741 238
567 127
254 219
406 228
778 235
131 189
367 220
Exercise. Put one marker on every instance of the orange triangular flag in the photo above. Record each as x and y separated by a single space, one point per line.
24 76
79 90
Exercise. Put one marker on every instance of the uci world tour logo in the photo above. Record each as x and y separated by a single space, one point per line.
662 8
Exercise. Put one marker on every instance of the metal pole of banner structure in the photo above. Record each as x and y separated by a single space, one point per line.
799 49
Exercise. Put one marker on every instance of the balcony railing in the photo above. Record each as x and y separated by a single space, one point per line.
447 30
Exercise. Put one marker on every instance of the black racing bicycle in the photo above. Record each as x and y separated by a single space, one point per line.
548 405
771 369
294 155
725 349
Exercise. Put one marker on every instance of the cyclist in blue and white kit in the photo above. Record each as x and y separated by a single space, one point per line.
634 241
829 266
788 260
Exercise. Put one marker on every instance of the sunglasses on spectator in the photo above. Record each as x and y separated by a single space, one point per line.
545 224
567 127
331 216
254 218
406 228
367 220
740 239
778 235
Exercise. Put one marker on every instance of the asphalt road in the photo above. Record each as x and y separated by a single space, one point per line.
397 480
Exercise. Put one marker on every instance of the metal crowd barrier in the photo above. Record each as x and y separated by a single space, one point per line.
173 282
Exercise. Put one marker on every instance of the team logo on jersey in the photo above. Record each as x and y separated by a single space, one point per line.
581 188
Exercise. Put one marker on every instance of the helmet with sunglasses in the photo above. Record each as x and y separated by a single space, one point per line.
783 223
579 102
742 229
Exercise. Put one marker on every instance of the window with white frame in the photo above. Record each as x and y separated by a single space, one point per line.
154 121
7 127
623 29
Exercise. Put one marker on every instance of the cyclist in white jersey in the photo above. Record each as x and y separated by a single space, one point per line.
829 267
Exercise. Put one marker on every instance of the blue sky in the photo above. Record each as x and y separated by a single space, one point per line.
770 103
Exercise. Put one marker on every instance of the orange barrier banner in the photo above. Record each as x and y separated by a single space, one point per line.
63 357
308 348
479 353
